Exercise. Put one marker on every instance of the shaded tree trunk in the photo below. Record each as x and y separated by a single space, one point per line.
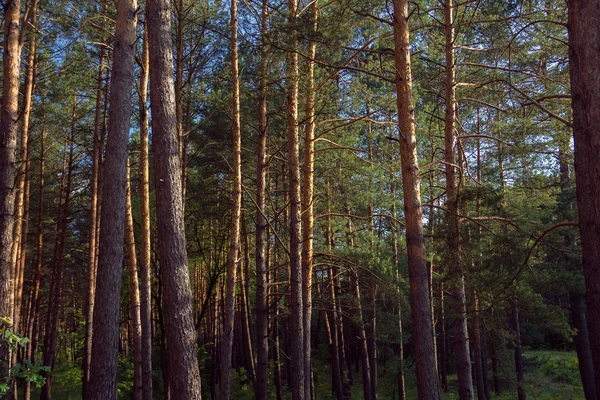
236 209
135 322
180 332
296 342
584 69
417 263
105 341
55 293
582 345
262 338
93 232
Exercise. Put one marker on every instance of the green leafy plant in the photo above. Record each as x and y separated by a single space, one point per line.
30 372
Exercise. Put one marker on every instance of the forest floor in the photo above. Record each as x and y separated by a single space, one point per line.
549 375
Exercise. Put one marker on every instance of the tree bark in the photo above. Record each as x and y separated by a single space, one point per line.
181 335
461 336
417 262
8 143
105 341
55 293
307 199
135 322
93 233
236 209
145 245
582 345
584 69
262 338
296 343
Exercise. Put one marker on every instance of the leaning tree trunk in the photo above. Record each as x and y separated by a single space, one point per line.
105 339
417 263
179 321
584 69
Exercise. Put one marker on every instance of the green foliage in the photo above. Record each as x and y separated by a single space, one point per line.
30 372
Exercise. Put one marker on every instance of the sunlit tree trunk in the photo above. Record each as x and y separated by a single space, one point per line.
145 245
307 200
8 143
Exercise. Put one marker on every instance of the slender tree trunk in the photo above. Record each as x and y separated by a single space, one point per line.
518 352
296 344
478 354
8 171
236 208
362 341
262 339
307 200
584 68
134 297
401 383
105 342
93 233
181 335
417 262
55 294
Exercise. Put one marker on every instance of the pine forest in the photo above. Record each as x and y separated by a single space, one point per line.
300 199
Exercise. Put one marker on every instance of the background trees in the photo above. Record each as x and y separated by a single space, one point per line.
398 169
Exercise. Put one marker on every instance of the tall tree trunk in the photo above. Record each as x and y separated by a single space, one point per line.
417 262
93 232
181 335
32 330
307 199
8 171
134 296
55 293
584 68
477 349
296 344
236 209
461 336
145 245
262 312
105 342
23 176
